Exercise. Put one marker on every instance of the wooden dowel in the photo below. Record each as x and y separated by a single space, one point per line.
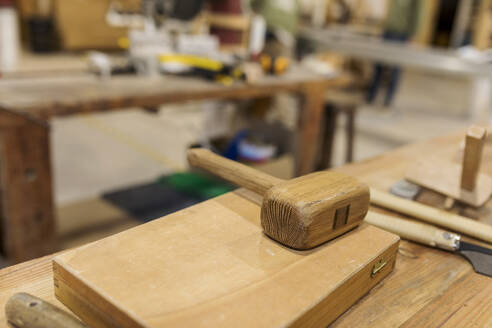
432 215
414 231
472 157
232 171
27 311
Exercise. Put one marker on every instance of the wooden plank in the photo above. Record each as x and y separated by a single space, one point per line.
211 265
44 98
27 214
467 303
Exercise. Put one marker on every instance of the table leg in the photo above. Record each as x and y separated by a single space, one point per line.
350 134
313 101
328 140
27 211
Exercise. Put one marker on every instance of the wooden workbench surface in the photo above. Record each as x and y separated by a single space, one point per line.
44 97
428 287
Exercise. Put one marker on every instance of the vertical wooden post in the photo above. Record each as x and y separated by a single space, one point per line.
27 210
313 103
472 156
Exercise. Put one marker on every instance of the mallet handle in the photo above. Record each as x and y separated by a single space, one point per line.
232 171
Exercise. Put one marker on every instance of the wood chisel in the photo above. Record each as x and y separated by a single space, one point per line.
479 257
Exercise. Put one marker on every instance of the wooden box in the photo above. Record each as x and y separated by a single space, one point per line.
82 23
210 265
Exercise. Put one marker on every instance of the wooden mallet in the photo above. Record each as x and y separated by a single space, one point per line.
301 213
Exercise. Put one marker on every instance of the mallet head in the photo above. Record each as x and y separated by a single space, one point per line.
307 211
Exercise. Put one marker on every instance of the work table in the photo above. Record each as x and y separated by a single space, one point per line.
427 288
28 104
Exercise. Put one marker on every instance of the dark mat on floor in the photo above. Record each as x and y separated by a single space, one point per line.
168 194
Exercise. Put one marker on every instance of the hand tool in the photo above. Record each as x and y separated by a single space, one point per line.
479 257
301 213
26 311
432 215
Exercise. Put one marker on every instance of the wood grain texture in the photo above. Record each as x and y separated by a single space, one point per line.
26 311
426 284
27 209
313 209
211 265
301 213
472 158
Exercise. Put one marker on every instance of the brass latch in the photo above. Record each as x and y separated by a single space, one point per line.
378 267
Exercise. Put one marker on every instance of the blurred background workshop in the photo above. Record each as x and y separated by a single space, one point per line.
100 101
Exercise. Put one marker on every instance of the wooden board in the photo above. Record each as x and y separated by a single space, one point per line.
211 265
445 177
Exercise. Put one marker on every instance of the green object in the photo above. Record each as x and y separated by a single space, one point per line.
403 17
195 184
278 14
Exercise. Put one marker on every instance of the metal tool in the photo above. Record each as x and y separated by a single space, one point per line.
405 189
26 311
479 257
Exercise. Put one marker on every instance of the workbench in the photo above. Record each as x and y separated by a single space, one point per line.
428 287
433 60
28 104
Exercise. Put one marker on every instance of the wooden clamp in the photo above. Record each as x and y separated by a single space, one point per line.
463 182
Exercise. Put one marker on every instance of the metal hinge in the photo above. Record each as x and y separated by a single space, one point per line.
378 267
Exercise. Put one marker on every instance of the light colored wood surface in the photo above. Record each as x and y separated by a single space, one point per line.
211 265
443 176
432 215
472 158
411 230
27 311
46 97
301 213
428 287
232 171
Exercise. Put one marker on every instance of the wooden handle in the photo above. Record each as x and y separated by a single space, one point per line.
432 215
232 171
414 231
27 311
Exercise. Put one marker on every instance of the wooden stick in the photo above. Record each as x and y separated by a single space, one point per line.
414 231
27 311
472 157
432 215
232 171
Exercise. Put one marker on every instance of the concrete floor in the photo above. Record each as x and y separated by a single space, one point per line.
93 154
